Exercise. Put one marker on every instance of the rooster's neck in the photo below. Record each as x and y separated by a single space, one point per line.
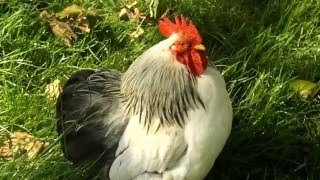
157 86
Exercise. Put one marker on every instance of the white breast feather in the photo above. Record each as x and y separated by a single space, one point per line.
173 152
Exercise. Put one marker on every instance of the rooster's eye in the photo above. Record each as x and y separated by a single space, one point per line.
182 44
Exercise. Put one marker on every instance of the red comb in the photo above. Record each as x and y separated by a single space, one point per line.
167 28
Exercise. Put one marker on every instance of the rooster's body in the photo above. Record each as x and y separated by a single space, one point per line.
164 118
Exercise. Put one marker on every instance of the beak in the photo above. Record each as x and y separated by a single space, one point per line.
199 47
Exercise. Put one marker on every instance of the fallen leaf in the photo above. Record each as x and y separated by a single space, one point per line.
124 13
20 143
63 31
83 24
53 90
5 153
136 34
73 10
63 23
44 14
305 88
80 23
131 12
137 15
76 16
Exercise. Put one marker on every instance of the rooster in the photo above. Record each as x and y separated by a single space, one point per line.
167 117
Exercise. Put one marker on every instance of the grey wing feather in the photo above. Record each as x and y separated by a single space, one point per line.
86 116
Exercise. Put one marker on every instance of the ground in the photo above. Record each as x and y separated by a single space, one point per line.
259 45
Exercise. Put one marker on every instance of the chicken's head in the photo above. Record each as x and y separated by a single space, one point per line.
187 49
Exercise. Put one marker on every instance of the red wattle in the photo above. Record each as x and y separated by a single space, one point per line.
196 62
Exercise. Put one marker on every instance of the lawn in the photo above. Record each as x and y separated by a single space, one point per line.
259 45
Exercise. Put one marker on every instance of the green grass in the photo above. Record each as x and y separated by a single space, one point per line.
260 45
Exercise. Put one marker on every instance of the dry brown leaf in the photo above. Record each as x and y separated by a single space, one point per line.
5 153
131 12
80 23
137 15
63 23
63 31
73 10
83 24
44 14
60 29
53 90
76 16
19 143
123 13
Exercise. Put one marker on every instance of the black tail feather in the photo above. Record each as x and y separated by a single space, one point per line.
76 145
82 109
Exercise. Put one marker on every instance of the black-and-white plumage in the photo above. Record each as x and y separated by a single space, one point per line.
83 109
157 120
